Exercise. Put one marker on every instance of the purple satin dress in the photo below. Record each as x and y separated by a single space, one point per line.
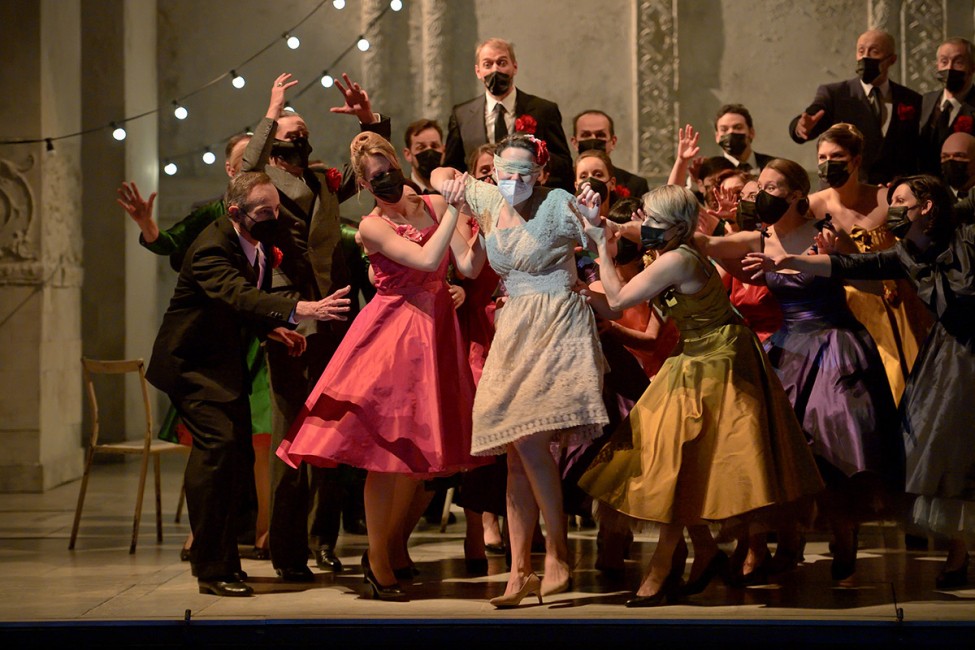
835 379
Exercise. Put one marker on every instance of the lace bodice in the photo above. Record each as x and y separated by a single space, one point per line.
535 256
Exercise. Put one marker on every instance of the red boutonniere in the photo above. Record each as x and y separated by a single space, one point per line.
622 192
905 112
526 124
333 179
276 257
963 124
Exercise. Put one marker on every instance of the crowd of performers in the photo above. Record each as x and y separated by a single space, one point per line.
729 353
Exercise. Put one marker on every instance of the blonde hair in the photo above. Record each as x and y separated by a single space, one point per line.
674 205
499 43
370 144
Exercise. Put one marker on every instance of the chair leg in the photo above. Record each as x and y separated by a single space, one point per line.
155 467
445 516
81 500
138 504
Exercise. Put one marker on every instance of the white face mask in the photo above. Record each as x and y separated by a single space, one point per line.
515 191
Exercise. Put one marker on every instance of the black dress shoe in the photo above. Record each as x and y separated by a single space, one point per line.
184 555
257 553
241 576
666 593
717 566
225 587
326 559
296 574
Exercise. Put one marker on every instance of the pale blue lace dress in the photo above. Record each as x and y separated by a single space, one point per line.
545 368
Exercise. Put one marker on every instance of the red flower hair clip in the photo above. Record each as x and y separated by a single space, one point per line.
963 124
541 150
276 257
525 124
333 179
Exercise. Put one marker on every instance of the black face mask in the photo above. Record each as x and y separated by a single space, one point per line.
734 143
868 69
388 187
898 222
769 207
653 238
598 186
834 172
294 152
426 161
955 173
953 80
262 231
745 216
591 143
497 83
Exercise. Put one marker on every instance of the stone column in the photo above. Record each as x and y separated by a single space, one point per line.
40 247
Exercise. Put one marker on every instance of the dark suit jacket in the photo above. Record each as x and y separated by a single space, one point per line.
929 153
466 132
884 156
310 226
762 160
201 349
637 185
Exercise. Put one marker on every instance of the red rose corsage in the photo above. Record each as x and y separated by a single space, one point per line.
276 257
905 112
622 192
526 124
333 179
963 124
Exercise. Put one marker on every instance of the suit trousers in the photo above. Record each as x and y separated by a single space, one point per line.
216 480
296 492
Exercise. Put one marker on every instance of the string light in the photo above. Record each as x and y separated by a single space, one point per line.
292 41
208 157
117 132
49 143
170 168
180 111
288 107
237 81
396 5
338 4
327 80
363 44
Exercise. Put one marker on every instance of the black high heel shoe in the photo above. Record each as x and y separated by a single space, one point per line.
717 566
668 592
392 593
953 579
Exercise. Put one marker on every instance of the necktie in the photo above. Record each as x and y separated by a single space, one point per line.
944 122
500 126
877 104
257 265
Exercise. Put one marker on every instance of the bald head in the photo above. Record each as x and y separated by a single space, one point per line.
876 44
958 161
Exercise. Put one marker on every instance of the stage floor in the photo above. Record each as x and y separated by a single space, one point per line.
44 586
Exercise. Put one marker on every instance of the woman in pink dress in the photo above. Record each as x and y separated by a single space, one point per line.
397 395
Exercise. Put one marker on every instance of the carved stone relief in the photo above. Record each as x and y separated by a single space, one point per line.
372 59
923 29
17 206
657 85
434 22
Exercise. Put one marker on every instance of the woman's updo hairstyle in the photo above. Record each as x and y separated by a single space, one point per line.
796 177
370 144
843 135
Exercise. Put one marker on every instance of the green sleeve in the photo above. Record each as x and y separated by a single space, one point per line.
178 238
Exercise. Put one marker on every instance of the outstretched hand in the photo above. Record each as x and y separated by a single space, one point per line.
281 85
333 307
727 200
826 241
687 144
356 100
758 264
295 342
132 202
589 202
807 123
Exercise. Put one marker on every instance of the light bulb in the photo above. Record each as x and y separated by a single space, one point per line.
396 5
208 157
237 80
293 42
327 80
170 169
118 132
180 112
338 4
363 44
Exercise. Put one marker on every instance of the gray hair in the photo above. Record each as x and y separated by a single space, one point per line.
674 205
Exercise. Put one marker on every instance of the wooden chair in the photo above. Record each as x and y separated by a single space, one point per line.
145 445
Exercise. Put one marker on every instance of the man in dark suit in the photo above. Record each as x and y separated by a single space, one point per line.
886 113
310 197
477 121
424 152
734 132
951 109
594 129
199 360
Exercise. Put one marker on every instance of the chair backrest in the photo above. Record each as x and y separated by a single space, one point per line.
91 367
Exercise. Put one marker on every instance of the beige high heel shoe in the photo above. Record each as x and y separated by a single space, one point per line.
532 586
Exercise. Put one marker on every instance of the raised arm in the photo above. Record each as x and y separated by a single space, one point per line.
687 151
466 246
